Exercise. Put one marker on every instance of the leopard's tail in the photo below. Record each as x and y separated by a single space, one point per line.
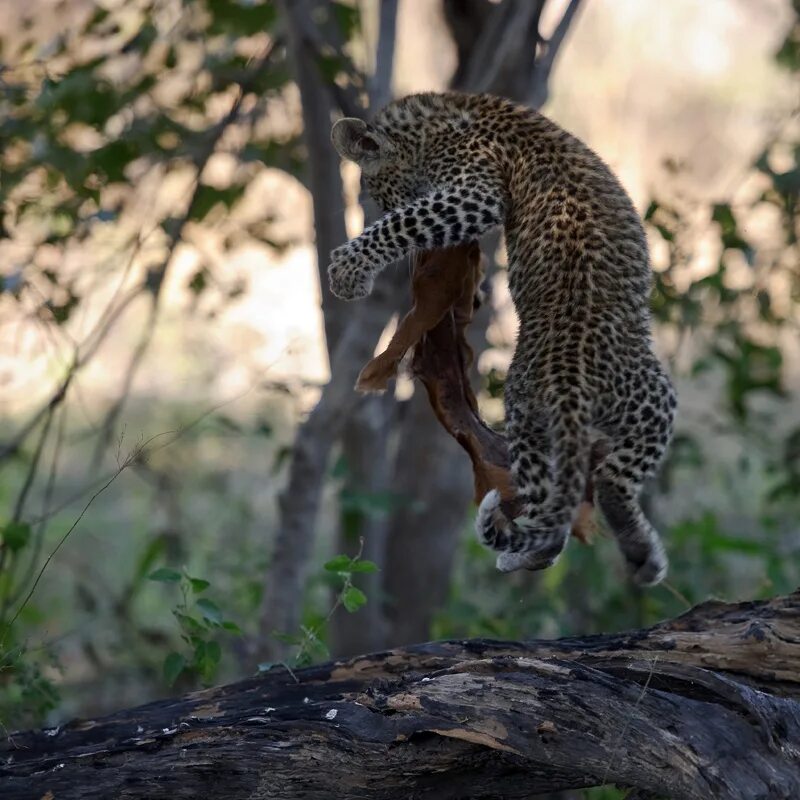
540 532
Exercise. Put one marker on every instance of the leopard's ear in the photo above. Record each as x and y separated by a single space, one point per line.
356 141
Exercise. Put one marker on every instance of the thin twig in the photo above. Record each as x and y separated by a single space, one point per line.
19 505
676 594
41 526
135 453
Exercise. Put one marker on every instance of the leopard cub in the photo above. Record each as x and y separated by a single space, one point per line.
446 168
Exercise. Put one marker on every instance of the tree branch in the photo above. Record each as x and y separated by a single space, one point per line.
380 84
544 66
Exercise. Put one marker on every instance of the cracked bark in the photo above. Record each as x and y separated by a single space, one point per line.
705 705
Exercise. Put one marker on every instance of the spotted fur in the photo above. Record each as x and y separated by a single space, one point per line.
446 168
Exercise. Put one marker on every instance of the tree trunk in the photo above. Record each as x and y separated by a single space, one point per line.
704 706
366 502
433 477
356 327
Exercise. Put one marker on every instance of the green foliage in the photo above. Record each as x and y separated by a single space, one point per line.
28 686
356 505
77 125
310 640
15 536
235 18
200 621
123 95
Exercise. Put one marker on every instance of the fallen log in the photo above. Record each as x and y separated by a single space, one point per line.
704 706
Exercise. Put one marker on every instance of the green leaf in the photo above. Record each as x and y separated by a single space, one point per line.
788 56
735 544
174 664
213 652
723 215
165 575
16 535
331 65
348 19
339 563
281 456
198 585
232 627
199 653
362 565
61 311
353 598
340 468
207 658
189 624
151 553
112 159
369 503
210 610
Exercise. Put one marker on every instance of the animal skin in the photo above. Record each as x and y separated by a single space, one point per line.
446 168
442 282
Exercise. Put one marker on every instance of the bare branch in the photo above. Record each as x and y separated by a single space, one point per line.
544 65
47 498
380 84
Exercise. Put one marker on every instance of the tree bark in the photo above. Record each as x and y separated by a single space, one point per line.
299 503
706 705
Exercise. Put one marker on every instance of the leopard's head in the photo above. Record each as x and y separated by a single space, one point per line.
387 164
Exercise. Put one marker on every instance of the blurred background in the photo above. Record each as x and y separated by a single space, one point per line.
189 486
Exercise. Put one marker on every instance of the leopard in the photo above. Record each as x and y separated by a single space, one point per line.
446 168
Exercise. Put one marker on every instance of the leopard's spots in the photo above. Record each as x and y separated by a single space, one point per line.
579 275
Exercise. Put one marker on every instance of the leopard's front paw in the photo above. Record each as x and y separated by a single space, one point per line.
349 277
